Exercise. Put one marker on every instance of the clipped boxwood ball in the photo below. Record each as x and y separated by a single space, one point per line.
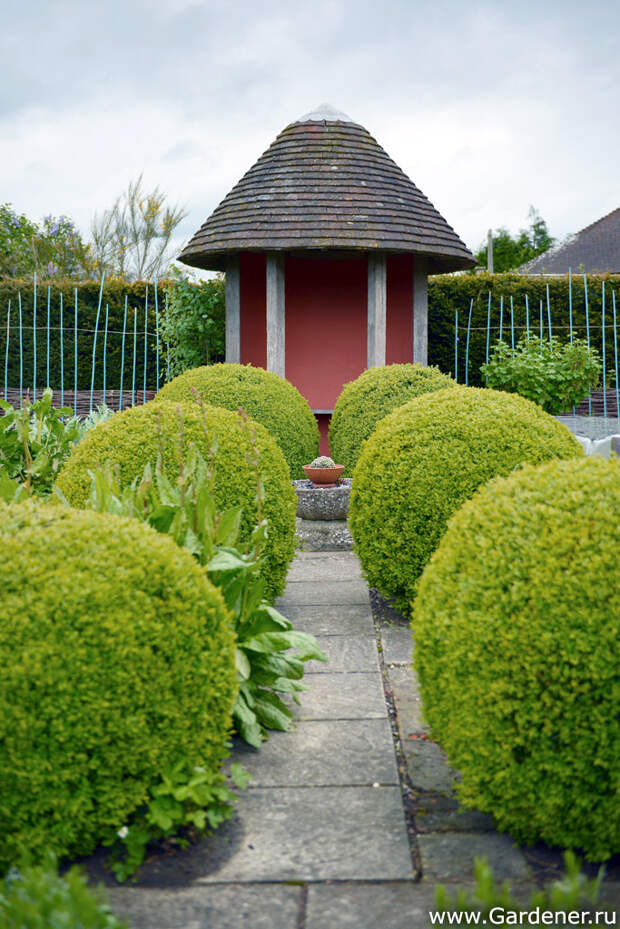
366 400
424 460
136 435
269 399
117 661
516 646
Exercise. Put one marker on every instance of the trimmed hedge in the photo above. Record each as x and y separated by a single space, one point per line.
135 436
266 397
516 646
448 292
117 661
424 460
370 397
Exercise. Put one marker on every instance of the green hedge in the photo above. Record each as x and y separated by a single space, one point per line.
424 460
137 435
450 292
117 662
516 646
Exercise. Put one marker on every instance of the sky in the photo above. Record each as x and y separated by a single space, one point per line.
489 107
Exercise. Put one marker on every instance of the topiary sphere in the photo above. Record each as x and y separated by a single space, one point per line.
135 436
424 460
516 646
269 399
366 400
117 661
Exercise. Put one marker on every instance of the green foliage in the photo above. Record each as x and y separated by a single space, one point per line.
511 252
186 510
54 249
194 328
37 897
114 292
269 399
186 804
366 400
450 292
571 892
34 442
117 665
136 436
516 644
424 460
131 240
557 376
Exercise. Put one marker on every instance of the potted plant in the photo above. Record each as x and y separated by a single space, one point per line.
323 471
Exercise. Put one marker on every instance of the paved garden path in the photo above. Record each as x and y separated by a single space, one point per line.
350 819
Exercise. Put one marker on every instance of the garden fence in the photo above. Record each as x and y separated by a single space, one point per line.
508 321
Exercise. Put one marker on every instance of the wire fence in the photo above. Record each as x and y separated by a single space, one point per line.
86 367
508 322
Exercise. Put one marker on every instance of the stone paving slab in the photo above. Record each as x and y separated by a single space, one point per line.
397 644
318 833
338 567
406 693
456 820
369 906
346 653
319 592
347 619
428 767
230 906
356 695
450 856
324 753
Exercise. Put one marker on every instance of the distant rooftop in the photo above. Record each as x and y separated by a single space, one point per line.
594 250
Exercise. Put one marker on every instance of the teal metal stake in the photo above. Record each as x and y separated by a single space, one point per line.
6 355
488 335
146 318
120 393
34 341
456 346
105 349
156 339
613 303
541 326
501 315
527 316
135 337
512 323
92 367
471 307
75 351
585 294
549 316
570 304
21 352
47 371
62 359
167 346
603 353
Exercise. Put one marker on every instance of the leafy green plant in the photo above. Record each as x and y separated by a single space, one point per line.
187 511
193 328
555 375
34 441
571 892
37 897
186 804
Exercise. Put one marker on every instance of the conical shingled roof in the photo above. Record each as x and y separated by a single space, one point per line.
325 183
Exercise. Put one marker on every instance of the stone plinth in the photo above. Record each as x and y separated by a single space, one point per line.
322 516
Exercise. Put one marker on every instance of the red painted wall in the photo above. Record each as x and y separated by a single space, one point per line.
253 309
399 322
326 319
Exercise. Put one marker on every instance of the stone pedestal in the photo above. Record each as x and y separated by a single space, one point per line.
322 516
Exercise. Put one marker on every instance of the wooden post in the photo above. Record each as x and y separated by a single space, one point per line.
233 310
275 314
377 293
420 311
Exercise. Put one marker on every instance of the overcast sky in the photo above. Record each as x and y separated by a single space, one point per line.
488 106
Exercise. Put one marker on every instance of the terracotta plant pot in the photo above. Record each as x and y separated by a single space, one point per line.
326 477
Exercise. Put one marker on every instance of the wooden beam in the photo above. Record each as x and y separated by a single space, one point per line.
420 311
377 299
275 314
233 310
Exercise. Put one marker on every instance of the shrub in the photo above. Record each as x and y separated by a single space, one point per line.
424 460
269 399
136 436
117 664
366 400
557 376
37 897
194 324
516 632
